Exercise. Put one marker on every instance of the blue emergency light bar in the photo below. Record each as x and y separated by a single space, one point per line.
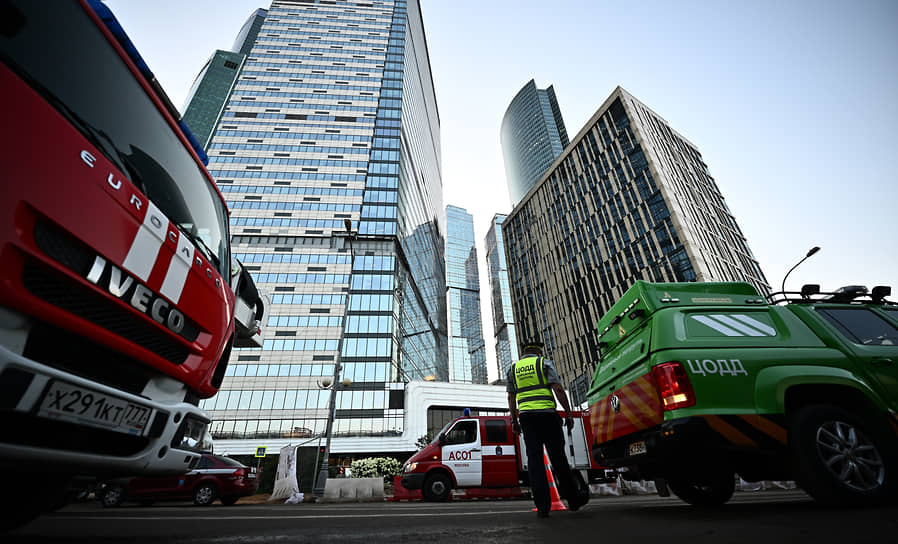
112 24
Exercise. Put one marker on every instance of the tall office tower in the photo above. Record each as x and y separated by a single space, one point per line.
467 354
333 119
503 317
246 38
532 136
630 199
212 87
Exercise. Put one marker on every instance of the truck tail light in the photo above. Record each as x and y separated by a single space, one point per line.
673 386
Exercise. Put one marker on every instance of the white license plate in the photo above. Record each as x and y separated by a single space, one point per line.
75 404
637 448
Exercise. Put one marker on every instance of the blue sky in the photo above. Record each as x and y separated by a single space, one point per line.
793 105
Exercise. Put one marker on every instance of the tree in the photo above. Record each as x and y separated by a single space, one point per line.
423 441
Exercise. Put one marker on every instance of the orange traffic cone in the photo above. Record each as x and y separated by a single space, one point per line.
553 491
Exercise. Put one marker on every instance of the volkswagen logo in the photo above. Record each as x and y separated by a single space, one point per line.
615 403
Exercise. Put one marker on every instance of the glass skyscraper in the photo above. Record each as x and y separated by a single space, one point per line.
212 87
332 118
630 199
504 328
532 137
467 356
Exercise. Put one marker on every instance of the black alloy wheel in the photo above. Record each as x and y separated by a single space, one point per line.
112 496
204 494
437 487
841 457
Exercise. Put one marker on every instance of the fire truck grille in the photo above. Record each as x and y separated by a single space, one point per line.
72 297
77 257
61 247
74 353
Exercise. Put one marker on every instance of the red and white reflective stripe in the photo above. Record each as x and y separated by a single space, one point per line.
494 451
145 248
178 268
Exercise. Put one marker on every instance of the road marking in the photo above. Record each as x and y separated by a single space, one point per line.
341 515
626 501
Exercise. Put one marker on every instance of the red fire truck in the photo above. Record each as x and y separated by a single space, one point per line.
483 452
118 295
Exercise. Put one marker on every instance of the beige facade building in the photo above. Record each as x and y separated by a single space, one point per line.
630 198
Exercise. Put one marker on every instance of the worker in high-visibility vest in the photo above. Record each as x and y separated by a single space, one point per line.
532 381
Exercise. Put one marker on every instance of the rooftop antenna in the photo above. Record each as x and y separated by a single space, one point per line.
813 250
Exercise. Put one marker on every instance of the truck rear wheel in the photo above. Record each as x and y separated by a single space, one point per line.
711 489
842 458
437 487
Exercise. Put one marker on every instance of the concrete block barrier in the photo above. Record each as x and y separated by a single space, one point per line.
354 490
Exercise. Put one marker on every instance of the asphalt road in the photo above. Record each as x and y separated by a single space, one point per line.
762 517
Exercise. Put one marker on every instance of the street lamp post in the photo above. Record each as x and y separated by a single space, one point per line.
813 250
321 479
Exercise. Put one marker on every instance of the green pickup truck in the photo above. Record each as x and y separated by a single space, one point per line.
698 382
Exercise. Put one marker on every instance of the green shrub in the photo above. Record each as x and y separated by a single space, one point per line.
372 467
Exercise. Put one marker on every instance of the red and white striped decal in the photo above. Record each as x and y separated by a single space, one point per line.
499 450
178 268
145 250
147 242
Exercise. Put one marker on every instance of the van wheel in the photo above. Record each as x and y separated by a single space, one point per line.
705 490
204 495
842 458
437 487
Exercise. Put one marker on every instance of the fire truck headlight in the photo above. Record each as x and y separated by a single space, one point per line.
411 467
193 435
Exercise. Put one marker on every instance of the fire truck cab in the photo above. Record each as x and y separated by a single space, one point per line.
119 299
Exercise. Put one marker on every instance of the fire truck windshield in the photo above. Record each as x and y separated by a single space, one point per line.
66 58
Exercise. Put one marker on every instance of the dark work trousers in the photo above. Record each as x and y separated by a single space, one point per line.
545 429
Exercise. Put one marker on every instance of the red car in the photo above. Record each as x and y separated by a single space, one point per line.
215 477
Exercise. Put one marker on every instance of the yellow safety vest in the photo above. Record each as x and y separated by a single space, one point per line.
533 393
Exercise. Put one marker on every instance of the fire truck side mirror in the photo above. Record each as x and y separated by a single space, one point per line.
442 440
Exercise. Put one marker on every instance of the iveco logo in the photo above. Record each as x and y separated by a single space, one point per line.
140 296
615 403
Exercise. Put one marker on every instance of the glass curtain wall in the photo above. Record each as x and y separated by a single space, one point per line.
507 351
467 354
311 136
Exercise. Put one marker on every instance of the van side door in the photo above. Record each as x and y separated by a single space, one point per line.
461 452
500 467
